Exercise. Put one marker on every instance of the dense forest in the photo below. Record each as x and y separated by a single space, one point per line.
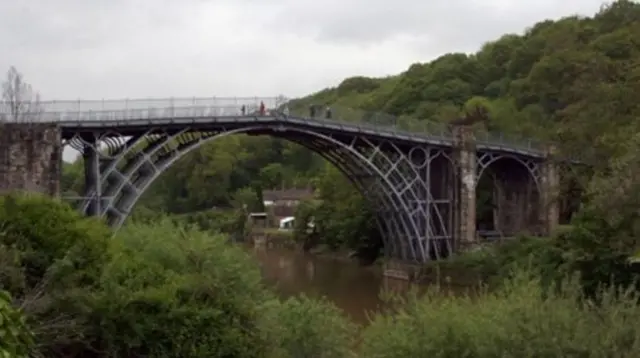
573 81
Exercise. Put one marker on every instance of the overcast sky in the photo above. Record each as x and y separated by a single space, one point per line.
70 49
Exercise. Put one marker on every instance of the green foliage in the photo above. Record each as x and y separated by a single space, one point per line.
341 216
173 291
48 254
41 233
494 264
600 250
15 338
210 220
159 290
304 230
515 321
302 327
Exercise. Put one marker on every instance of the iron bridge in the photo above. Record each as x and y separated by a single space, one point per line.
407 170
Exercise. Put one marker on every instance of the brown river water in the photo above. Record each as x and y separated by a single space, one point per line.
353 288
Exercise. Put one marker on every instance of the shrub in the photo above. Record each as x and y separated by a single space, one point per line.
50 256
172 291
38 232
15 338
302 327
515 321
599 249
495 263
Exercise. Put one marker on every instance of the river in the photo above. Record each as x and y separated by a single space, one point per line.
353 288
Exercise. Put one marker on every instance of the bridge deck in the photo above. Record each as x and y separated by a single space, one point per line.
131 117
134 126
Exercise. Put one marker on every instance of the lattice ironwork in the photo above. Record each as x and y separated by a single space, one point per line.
414 215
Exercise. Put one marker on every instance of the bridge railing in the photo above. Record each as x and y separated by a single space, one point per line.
81 106
413 125
377 120
153 108
132 109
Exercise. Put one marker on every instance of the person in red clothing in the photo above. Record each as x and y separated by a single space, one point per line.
262 109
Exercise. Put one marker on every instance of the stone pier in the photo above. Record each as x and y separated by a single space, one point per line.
30 157
465 193
550 192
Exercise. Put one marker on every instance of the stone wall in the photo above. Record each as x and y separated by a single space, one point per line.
30 157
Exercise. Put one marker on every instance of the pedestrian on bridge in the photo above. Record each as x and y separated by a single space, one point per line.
328 113
312 111
243 109
262 108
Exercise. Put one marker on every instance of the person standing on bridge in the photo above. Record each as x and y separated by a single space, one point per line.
262 108
328 113
243 109
285 111
312 111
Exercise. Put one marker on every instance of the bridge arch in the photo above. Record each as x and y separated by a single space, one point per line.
389 227
137 168
488 160
508 190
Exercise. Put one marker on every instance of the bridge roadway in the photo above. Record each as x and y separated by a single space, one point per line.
134 117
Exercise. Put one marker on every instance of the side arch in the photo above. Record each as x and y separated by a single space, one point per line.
508 190
134 181
487 159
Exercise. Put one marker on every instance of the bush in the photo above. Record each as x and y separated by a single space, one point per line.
171 291
515 321
495 263
302 327
51 257
600 248
161 290
15 338
38 233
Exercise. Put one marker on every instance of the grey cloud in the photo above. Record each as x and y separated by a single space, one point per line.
439 23
102 48
78 24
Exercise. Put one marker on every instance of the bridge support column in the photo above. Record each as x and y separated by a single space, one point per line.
92 180
516 202
30 157
549 192
466 178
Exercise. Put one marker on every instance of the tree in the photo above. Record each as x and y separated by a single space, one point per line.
19 102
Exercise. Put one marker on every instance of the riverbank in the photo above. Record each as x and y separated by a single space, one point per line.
467 269
485 265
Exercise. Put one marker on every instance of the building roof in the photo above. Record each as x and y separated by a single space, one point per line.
287 194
